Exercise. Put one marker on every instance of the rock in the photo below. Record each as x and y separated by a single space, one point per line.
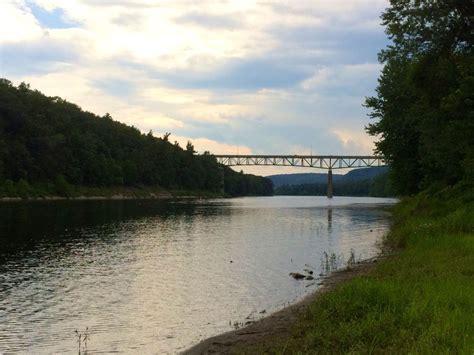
231 261
297 275
309 278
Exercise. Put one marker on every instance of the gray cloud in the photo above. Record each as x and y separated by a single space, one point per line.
35 57
116 87
239 74
336 44
136 4
133 20
210 21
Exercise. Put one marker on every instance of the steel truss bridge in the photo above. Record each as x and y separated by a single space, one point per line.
327 162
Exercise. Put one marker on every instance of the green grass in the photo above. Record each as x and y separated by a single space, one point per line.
420 301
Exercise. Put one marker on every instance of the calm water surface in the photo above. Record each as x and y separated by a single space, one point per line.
155 277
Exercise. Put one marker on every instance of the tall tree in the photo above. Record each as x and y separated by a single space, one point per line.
424 107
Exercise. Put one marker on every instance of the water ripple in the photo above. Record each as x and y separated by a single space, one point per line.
150 277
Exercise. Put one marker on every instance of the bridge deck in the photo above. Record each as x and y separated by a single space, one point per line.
305 161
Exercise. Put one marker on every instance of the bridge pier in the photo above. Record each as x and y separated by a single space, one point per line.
329 192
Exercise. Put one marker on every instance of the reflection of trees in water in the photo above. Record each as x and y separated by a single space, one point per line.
356 215
23 225
329 220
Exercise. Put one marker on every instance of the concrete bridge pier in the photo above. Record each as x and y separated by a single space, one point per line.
329 194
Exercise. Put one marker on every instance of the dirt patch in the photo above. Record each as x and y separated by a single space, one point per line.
279 324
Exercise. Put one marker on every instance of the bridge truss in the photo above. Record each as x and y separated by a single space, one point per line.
328 162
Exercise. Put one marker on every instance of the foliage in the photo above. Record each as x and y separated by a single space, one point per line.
48 146
236 185
424 107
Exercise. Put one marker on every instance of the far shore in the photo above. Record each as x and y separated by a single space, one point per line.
263 333
152 196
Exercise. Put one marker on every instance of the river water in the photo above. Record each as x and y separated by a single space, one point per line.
158 277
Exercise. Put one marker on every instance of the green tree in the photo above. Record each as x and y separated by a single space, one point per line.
424 107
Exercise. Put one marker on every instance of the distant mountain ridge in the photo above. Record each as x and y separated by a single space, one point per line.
316 178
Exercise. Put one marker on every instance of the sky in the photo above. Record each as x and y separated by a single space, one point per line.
237 77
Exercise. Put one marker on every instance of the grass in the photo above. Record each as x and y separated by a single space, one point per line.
420 301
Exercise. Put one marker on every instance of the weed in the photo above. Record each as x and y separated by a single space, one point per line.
82 338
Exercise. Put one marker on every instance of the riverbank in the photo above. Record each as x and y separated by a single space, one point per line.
262 333
421 300
111 193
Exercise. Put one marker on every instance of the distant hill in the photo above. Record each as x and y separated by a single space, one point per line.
364 173
359 182
317 178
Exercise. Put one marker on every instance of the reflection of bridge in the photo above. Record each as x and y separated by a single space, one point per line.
327 162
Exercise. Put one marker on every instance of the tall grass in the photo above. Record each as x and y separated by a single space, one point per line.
421 301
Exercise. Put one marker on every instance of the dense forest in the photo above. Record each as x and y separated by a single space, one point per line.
423 111
49 146
378 186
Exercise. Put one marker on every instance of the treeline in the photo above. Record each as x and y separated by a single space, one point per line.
424 107
48 146
240 184
378 186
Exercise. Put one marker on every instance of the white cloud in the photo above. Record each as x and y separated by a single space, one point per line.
341 75
17 23
355 140
205 144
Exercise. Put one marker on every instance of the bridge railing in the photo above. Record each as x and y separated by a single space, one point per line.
328 162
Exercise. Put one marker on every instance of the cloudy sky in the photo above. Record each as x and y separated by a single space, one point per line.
233 77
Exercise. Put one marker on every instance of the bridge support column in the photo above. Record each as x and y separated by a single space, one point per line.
329 183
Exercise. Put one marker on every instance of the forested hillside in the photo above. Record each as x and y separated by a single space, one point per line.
321 178
353 184
371 181
48 146
301 178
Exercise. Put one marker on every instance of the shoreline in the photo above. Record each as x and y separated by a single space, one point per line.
114 197
279 324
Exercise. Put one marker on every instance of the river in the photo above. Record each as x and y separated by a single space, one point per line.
157 277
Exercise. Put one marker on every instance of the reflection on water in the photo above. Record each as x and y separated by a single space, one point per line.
329 220
148 276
